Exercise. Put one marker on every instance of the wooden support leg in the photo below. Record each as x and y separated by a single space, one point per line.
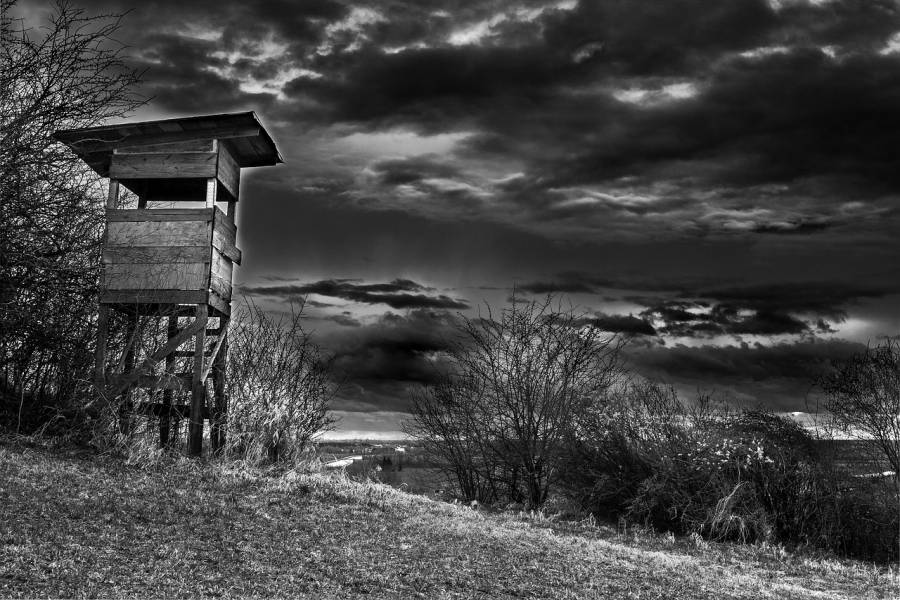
220 401
125 424
103 314
198 389
165 418
175 440
100 352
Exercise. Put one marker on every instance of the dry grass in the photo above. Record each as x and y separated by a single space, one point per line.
87 526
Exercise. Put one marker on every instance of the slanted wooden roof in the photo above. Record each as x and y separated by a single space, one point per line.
251 144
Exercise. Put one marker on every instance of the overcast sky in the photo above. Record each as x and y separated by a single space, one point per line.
718 180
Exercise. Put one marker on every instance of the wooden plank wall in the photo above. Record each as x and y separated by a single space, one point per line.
171 255
224 255
194 159
158 249
164 254
197 145
220 277
229 173
153 165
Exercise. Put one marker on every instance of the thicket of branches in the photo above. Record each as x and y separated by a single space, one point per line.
534 401
500 418
645 456
862 395
278 385
69 73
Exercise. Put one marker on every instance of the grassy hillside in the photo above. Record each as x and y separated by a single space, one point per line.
75 525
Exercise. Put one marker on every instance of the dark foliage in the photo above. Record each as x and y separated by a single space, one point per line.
68 74
517 385
863 396
278 386
749 476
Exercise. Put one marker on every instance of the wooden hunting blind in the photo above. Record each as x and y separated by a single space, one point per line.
171 257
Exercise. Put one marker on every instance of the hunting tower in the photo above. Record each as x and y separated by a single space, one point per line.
168 255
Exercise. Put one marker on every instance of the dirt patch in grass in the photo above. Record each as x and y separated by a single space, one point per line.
94 527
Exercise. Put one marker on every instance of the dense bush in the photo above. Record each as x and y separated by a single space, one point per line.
748 476
278 385
68 73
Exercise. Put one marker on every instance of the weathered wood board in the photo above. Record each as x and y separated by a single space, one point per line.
157 233
200 145
220 304
156 297
224 243
220 276
155 165
162 214
224 235
155 254
143 276
158 255
229 173
151 168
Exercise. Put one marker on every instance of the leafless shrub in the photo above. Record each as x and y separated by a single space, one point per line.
278 385
517 386
445 423
862 395
700 469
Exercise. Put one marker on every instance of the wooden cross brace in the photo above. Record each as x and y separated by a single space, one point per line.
148 363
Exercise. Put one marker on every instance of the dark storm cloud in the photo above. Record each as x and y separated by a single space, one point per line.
767 309
625 324
667 149
781 377
661 37
776 307
799 119
317 304
399 293
185 76
738 108
389 357
828 299
857 24
765 323
412 170
435 89
672 311
345 319
801 99
195 55
793 227
762 104
239 22
698 319
425 86
550 287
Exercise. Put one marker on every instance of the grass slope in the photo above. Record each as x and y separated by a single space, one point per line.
75 526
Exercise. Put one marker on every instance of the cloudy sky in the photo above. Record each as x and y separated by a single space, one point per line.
717 180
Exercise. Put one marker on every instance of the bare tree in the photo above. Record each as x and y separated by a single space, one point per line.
69 73
278 385
863 396
519 382
446 425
